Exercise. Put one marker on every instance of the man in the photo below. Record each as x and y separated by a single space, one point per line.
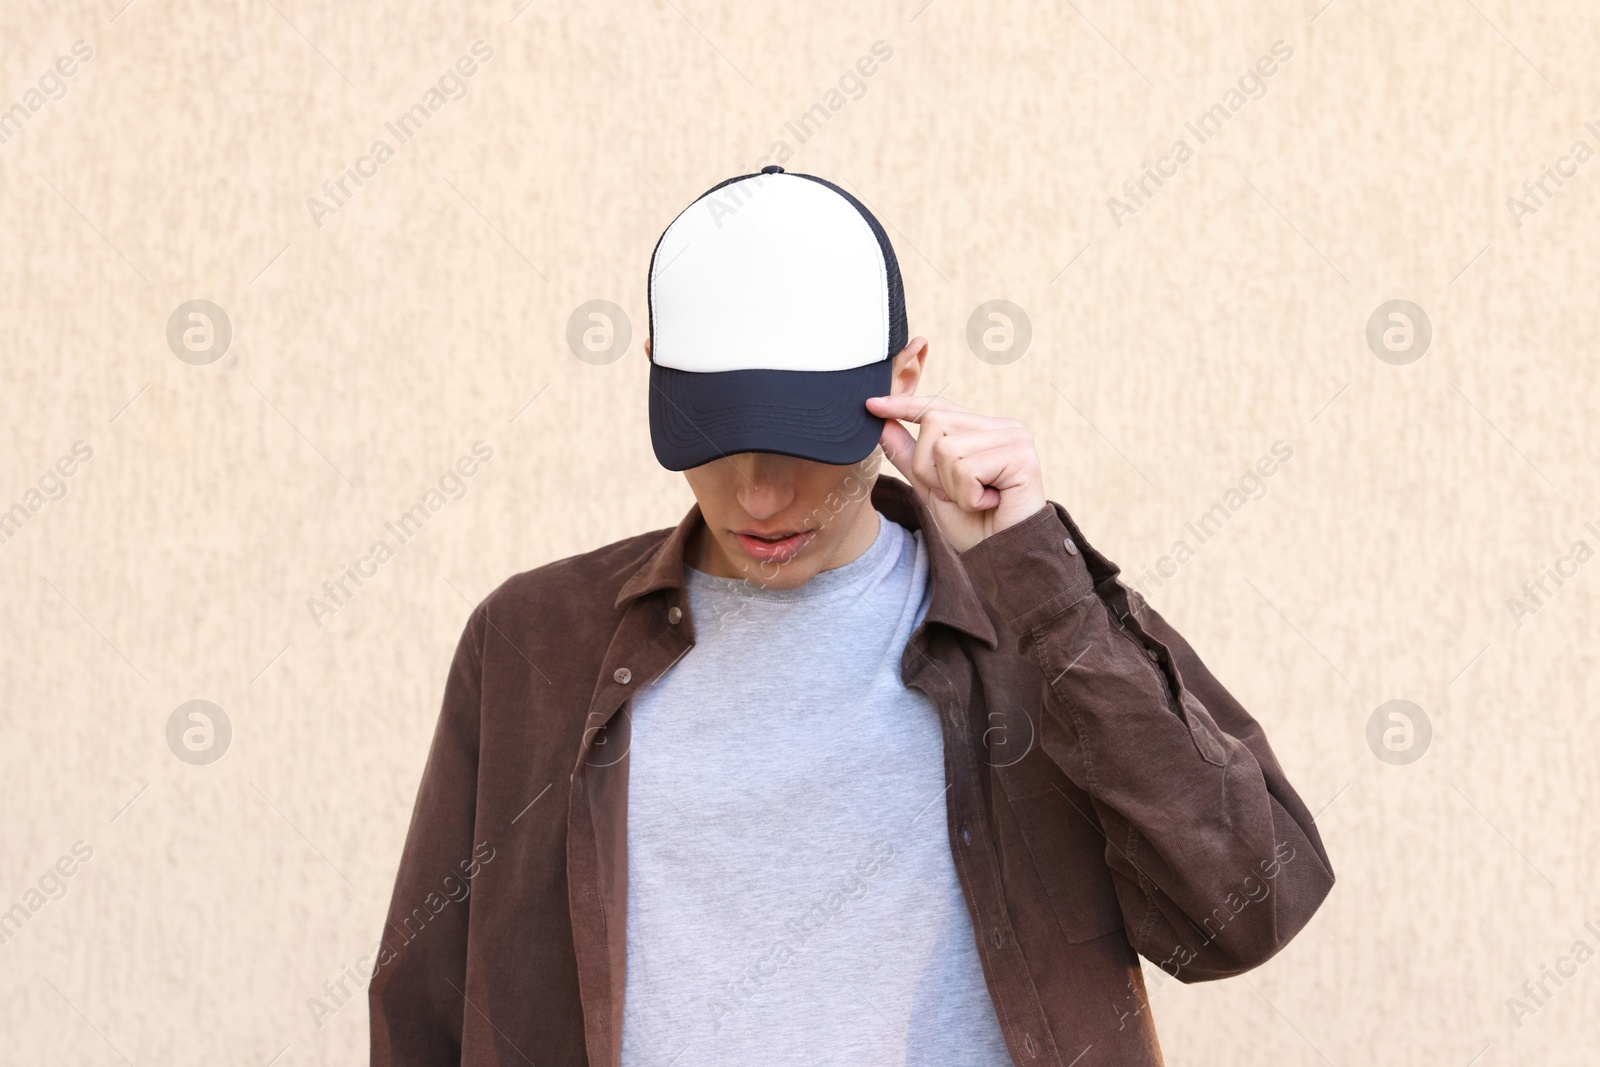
843 769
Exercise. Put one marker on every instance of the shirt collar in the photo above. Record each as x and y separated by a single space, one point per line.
955 601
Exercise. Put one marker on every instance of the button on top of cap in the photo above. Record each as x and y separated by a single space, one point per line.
772 170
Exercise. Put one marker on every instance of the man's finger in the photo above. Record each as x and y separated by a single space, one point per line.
900 447
912 408
952 446
922 465
904 451
973 480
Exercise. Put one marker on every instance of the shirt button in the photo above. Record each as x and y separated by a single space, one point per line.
966 834
623 675
1155 657
674 615
1072 549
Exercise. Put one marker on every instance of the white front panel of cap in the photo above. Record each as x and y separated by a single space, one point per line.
773 272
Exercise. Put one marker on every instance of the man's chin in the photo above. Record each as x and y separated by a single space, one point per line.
791 570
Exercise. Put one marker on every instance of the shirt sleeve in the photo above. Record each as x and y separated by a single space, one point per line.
416 995
1217 863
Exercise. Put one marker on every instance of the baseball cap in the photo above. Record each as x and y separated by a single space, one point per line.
776 308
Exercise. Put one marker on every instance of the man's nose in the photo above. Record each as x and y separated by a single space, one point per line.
763 491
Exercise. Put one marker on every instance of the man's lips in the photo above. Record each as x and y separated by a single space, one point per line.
777 547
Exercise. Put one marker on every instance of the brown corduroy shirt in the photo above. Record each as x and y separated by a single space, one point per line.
1106 796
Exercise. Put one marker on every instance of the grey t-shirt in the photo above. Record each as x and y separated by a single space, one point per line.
792 898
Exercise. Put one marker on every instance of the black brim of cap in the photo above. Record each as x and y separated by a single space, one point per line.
817 415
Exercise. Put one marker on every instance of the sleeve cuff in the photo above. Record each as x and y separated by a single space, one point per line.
1032 571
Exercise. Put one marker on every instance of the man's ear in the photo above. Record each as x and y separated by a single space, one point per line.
908 366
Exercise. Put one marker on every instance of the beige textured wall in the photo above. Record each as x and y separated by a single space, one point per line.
1226 313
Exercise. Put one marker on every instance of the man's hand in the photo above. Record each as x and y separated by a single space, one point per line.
977 474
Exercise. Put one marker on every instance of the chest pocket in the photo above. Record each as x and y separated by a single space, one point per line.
1065 842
